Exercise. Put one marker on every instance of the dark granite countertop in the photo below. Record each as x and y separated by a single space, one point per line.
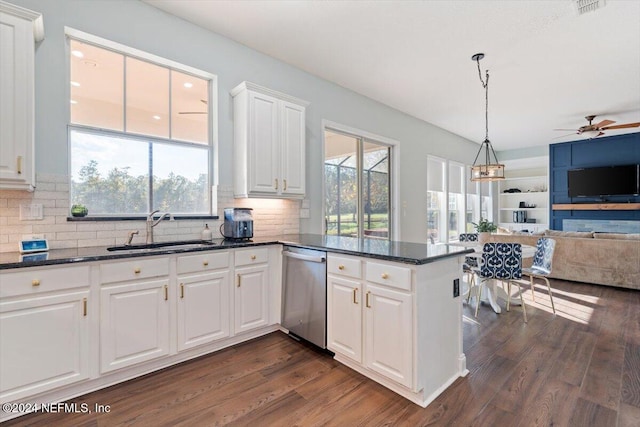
404 252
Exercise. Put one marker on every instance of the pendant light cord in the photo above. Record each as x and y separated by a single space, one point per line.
485 85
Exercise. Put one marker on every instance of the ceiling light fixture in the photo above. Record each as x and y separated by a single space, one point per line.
77 54
73 101
156 117
75 84
486 171
188 85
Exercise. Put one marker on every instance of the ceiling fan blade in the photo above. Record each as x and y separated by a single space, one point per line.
627 125
604 123
568 130
595 136
192 112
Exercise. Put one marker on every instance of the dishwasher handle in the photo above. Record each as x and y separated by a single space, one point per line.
304 257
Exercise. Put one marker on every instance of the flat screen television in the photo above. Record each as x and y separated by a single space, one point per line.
604 181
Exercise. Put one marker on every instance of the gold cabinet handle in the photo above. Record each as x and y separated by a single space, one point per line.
367 302
181 290
35 282
84 307
285 184
276 183
19 165
341 267
355 292
166 292
384 276
137 270
205 263
239 280
253 257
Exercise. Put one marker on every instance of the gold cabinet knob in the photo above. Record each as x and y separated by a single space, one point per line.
253 257
35 282
137 270
385 276
341 267
205 263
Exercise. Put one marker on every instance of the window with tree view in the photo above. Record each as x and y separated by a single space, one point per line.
140 134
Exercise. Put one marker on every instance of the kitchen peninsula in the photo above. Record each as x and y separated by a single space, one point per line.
393 312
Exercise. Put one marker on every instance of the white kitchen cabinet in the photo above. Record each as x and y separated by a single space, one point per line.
203 299
134 312
251 296
19 29
44 330
389 333
371 324
269 143
344 317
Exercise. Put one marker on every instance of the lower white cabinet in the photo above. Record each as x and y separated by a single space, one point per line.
44 343
344 317
134 323
389 333
369 324
44 329
251 298
203 308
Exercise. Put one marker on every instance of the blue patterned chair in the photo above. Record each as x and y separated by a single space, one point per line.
501 261
469 262
541 267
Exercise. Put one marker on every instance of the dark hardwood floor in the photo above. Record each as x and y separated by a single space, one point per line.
578 368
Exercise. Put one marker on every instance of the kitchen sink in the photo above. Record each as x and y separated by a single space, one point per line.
180 244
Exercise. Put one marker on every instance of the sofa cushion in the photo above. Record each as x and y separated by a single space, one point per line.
617 236
583 234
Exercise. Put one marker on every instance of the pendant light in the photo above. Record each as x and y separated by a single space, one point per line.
487 171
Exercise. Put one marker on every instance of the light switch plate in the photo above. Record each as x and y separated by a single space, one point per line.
33 211
304 213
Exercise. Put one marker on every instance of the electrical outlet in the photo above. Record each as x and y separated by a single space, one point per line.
456 288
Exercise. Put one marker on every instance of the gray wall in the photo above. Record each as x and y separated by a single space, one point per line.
141 26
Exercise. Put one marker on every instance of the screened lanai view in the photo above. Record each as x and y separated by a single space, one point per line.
357 195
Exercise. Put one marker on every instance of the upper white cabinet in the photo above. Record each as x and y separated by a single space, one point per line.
19 29
269 143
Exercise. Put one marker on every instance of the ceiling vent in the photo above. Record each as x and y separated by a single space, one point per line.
585 6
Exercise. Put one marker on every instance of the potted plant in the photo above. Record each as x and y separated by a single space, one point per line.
79 210
484 228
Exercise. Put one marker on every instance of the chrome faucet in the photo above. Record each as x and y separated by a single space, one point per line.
151 223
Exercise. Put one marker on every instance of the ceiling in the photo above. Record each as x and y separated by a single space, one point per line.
549 66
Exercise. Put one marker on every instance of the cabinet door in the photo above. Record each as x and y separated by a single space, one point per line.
44 344
134 323
292 149
344 317
251 298
389 333
263 144
16 102
203 309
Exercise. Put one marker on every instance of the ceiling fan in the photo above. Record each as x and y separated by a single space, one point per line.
204 101
598 127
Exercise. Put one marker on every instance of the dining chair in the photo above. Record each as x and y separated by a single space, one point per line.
501 261
541 267
469 262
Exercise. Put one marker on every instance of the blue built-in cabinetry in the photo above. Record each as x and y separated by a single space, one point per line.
602 151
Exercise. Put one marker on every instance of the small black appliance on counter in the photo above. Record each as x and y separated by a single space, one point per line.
238 223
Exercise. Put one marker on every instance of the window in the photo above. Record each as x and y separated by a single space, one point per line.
466 201
357 186
141 131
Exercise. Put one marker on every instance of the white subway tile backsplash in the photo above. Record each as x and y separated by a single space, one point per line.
272 217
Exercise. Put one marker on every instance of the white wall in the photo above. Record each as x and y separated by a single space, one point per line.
143 27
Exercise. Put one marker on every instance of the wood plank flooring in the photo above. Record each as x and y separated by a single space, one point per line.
578 368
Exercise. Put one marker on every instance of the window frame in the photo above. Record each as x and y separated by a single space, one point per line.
212 107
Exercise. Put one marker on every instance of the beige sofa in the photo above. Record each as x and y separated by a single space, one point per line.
600 258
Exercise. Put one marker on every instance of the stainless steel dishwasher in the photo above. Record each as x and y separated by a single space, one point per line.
304 294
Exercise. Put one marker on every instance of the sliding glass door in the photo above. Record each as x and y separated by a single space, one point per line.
357 186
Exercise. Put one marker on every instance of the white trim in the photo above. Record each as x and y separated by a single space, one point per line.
394 171
257 88
21 12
